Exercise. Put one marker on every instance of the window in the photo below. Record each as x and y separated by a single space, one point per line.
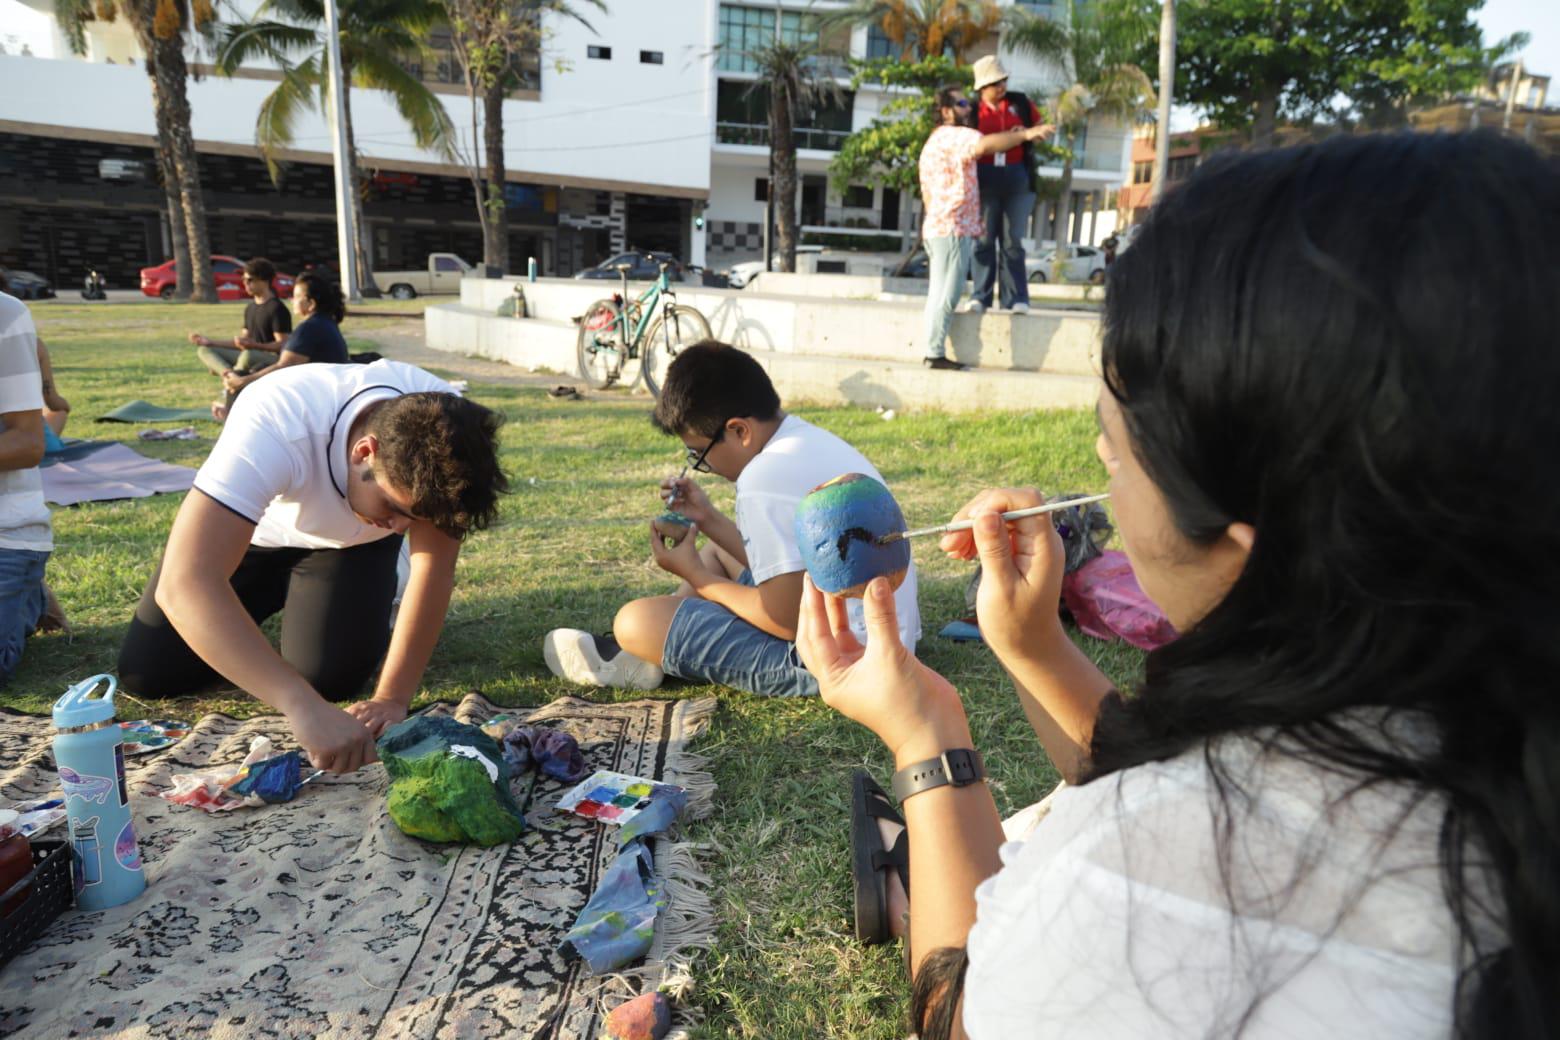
1181 168
878 43
761 190
225 267
600 53
1142 172
858 196
744 30
445 263
651 58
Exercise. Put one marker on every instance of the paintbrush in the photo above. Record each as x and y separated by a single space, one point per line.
672 497
1016 514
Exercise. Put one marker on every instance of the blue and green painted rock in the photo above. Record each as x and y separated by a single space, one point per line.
449 782
672 526
838 526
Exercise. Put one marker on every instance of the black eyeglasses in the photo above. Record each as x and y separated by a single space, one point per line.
696 458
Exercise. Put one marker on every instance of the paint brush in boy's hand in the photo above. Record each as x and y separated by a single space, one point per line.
1016 514
672 495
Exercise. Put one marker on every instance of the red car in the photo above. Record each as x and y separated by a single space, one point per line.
229 272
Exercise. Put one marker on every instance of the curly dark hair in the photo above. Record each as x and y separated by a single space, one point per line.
325 294
709 383
442 450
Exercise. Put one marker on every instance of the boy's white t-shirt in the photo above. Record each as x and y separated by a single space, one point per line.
281 461
796 459
24 516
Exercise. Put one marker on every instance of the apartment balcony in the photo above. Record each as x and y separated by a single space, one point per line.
757 134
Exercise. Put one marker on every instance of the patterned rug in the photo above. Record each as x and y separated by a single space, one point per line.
319 918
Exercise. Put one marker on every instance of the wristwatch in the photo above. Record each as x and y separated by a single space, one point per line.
957 766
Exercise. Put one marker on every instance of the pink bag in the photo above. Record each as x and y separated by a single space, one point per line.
1104 598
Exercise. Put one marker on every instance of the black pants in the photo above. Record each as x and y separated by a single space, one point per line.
335 607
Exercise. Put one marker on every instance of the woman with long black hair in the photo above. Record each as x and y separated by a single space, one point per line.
1332 808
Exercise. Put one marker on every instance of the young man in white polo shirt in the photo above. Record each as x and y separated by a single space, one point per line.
733 619
300 508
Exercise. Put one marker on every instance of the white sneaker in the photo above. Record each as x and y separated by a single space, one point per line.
590 660
1019 308
974 307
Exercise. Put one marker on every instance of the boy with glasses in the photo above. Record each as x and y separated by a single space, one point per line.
733 618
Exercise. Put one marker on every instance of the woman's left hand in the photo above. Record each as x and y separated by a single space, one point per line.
881 685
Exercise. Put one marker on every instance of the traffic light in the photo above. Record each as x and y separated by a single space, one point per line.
698 222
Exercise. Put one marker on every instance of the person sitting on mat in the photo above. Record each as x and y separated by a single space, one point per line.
267 325
733 618
301 508
1330 808
320 309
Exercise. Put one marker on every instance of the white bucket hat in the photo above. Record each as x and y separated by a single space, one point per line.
989 70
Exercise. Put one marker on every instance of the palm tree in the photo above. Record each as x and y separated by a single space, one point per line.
923 28
160 27
1091 51
790 72
489 38
376 36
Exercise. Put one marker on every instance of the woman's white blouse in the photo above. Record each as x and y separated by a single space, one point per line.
1115 919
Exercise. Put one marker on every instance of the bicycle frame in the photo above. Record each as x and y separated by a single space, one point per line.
646 301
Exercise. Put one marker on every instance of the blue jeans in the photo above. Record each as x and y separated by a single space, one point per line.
947 265
708 643
1006 200
21 604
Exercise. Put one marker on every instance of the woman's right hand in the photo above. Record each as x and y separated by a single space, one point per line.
334 740
687 498
1021 568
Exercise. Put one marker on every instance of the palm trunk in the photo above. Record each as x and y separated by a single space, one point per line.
495 229
176 230
1063 222
171 103
1265 126
782 159
363 245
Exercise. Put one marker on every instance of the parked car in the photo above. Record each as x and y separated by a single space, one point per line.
442 275
228 271
912 265
741 274
643 267
24 285
1084 264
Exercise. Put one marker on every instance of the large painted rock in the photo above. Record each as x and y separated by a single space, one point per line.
449 782
838 526
646 1017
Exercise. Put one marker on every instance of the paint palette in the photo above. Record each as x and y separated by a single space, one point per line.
610 797
39 815
144 736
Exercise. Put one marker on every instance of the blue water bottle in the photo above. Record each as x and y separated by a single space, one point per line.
530 269
89 753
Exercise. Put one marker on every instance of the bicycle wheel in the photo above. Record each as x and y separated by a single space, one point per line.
600 345
673 330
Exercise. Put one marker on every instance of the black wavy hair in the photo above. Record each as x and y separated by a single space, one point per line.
325 293
1351 347
442 450
709 383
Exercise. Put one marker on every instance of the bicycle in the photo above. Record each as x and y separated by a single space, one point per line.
618 331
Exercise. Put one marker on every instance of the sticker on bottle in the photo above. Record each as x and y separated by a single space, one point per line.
87 788
126 851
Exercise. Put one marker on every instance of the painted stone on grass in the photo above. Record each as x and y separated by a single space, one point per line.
448 782
837 528
646 1017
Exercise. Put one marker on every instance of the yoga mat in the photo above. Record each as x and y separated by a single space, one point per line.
142 411
319 918
107 471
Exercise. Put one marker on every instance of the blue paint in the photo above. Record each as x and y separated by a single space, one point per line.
837 527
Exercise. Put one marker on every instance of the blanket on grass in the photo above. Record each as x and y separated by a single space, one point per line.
319 918
94 471
144 411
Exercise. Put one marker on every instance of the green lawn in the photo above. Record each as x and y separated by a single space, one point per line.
570 548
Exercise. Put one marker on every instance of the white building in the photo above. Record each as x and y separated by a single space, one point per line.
625 137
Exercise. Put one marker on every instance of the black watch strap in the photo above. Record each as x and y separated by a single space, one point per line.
958 767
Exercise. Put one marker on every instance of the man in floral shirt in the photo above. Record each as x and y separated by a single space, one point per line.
950 198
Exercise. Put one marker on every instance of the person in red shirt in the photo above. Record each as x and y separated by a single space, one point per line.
1007 193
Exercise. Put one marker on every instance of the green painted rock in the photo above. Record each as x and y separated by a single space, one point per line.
449 783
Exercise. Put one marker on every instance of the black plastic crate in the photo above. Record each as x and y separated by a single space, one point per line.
53 891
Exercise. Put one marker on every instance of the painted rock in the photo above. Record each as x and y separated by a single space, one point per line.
646 1017
837 527
448 782
672 526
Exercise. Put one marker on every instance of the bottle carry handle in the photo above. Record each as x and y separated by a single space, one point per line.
81 693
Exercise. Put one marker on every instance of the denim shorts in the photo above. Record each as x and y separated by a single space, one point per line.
708 643
21 603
